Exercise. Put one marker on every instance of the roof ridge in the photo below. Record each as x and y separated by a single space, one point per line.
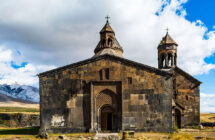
126 61
187 74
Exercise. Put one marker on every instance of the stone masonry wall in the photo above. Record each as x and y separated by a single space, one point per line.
188 95
144 97
19 120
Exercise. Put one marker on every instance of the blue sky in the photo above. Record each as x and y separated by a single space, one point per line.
39 35
204 11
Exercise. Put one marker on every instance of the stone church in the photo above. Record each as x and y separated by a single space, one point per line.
108 92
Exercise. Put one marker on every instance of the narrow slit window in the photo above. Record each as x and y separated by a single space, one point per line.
107 76
187 98
101 75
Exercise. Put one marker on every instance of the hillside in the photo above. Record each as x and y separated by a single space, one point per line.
7 101
20 93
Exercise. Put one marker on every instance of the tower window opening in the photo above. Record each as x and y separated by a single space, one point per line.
162 61
103 42
175 59
170 60
109 42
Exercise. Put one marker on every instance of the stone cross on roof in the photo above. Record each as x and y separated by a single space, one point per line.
107 17
167 29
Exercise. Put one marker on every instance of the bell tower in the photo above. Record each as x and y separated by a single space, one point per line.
167 52
108 43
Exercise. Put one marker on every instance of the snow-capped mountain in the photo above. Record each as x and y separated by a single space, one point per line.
24 92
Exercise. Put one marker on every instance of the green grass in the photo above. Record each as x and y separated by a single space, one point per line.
18 109
19 131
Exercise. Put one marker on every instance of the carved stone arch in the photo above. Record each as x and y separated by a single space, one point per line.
106 106
106 96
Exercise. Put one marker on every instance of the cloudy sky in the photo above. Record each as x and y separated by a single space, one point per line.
38 35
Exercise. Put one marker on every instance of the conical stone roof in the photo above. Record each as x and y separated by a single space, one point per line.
167 39
108 43
107 28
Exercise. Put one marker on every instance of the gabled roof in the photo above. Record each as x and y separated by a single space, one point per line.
188 76
167 39
110 57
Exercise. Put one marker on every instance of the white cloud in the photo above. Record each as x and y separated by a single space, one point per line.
207 102
5 55
58 33
25 75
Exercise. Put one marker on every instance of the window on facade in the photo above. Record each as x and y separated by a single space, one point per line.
186 97
129 80
174 84
101 75
107 73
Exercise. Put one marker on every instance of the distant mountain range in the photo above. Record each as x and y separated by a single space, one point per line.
19 92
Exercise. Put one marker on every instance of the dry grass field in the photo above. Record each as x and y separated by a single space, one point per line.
19 104
207 117
19 107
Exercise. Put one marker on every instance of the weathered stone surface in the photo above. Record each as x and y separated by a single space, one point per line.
19 120
43 134
69 105
107 136
188 96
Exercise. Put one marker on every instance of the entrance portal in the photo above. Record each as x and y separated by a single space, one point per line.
106 118
178 118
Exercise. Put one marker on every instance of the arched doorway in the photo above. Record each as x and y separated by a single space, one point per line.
106 118
178 118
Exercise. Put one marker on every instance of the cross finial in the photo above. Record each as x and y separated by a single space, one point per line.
167 29
107 17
